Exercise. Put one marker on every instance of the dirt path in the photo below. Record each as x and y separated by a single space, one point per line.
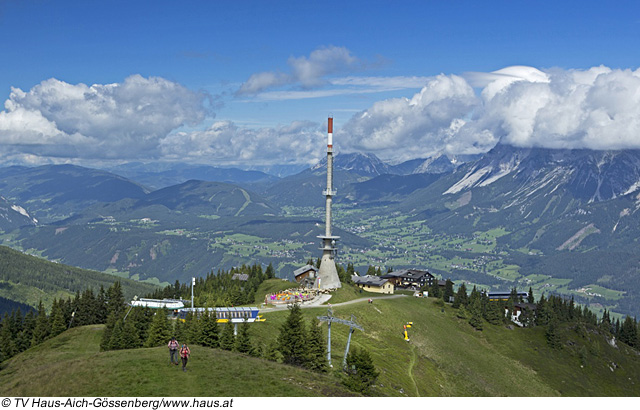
411 365
323 299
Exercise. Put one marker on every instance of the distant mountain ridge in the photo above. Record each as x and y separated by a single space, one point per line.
54 192
163 175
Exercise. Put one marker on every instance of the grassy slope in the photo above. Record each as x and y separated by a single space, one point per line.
445 357
74 358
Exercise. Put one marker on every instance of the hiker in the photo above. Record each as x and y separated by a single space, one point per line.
184 354
173 351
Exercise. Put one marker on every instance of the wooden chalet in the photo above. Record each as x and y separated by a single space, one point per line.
410 278
306 275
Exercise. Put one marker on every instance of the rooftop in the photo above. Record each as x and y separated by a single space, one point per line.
369 280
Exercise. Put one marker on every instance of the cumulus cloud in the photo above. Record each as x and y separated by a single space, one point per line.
123 120
598 108
406 128
304 71
225 143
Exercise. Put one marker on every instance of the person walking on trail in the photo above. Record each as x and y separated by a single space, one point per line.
184 354
173 351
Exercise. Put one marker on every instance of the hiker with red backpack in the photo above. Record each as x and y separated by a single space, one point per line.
184 354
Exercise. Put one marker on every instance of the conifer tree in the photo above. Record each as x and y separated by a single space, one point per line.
159 331
209 333
227 339
494 313
179 332
292 338
105 343
8 347
42 330
361 373
115 299
141 319
116 342
130 337
475 313
448 290
271 352
26 335
552 334
270 272
58 324
317 360
543 312
629 331
193 328
101 306
461 298
530 298
243 341
434 290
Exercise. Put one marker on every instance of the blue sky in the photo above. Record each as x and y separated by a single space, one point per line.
243 74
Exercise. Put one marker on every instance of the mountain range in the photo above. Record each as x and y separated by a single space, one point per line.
571 215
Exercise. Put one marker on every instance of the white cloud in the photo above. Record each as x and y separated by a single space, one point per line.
306 72
224 143
123 120
598 108
403 128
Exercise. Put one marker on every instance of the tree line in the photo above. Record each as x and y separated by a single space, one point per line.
224 288
551 311
19 332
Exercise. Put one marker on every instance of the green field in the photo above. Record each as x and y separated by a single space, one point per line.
445 357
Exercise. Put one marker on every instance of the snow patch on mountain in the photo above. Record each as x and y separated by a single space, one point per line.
469 180
23 212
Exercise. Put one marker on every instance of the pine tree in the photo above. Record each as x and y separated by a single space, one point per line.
227 339
461 298
530 298
271 352
28 327
317 360
448 290
553 336
8 347
159 331
292 338
434 290
361 373
543 312
494 313
270 272
243 341
105 343
193 329
116 342
475 312
58 324
209 333
179 331
42 330
115 299
130 338
629 331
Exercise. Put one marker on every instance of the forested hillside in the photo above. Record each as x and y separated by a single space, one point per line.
28 279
